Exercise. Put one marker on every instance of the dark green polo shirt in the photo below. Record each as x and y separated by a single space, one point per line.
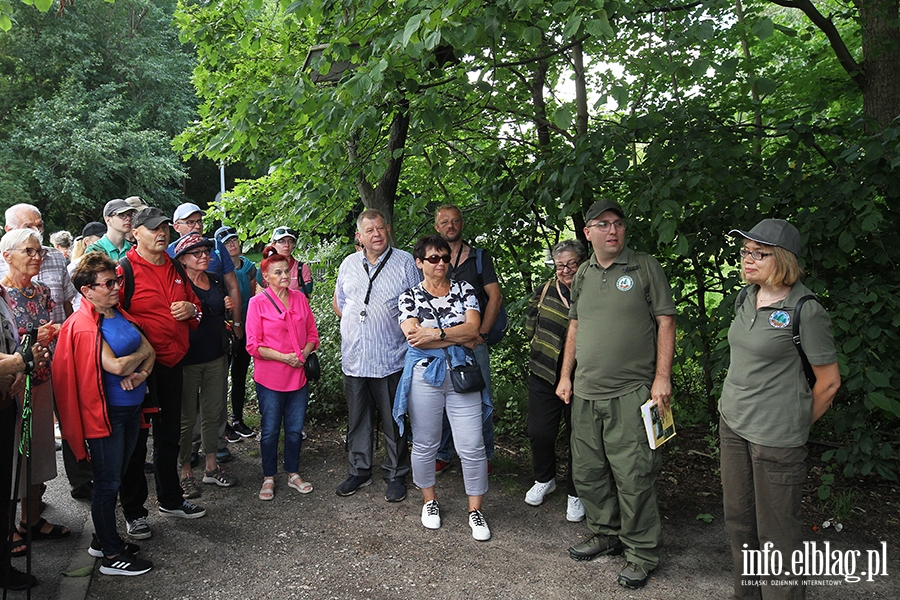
615 347
766 399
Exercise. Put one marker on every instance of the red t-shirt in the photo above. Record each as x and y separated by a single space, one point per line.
156 287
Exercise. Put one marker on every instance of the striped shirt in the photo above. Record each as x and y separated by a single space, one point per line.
373 346
54 275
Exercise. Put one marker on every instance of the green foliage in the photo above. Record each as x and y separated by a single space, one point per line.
705 517
89 102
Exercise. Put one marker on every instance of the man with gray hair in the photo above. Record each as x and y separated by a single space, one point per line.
373 350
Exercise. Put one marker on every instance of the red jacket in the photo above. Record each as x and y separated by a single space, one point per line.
78 379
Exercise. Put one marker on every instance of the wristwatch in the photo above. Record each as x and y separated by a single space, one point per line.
443 335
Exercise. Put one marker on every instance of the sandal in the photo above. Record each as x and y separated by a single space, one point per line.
56 531
267 491
18 548
304 487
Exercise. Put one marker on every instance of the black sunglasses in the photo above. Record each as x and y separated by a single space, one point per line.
435 259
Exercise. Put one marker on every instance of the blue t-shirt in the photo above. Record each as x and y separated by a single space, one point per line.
124 339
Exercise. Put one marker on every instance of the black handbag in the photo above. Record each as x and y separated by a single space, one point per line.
312 367
466 378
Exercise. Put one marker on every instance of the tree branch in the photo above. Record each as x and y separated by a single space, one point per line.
845 58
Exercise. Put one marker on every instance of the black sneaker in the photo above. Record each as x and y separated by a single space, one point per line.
124 564
231 436
396 490
241 429
16 580
138 528
351 484
187 510
96 550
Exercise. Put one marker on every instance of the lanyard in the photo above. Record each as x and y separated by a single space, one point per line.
363 313
458 256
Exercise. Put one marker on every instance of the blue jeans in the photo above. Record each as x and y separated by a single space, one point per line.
109 459
275 408
445 452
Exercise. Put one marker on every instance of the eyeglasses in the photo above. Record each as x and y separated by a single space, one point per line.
572 265
755 255
126 216
436 258
199 253
191 222
32 252
605 225
110 284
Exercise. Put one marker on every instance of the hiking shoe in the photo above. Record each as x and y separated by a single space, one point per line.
224 456
138 528
189 487
16 580
441 465
218 477
353 482
480 529
431 515
633 576
535 496
396 490
231 436
96 550
241 429
187 510
124 564
574 510
596 545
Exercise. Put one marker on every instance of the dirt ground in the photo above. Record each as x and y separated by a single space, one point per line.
324 546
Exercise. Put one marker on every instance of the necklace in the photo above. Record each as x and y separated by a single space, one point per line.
22 290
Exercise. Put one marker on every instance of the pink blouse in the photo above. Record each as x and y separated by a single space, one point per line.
282 330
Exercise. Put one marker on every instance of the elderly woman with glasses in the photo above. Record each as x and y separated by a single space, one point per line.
281 334
100 376
440 318
205 383
546 325
284 240
31 306
768 402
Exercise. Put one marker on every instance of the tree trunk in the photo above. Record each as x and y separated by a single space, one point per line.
881 50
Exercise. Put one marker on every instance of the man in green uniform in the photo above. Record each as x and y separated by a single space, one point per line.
622 336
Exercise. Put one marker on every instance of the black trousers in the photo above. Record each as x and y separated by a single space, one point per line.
240 364
133 492
545 410
165 387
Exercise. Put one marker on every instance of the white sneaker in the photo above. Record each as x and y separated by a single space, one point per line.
535 496
574 510
480 529
431 515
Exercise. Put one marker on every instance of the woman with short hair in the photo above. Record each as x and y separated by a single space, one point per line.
31 306
768 405
281 334
546 326
440 318
100 372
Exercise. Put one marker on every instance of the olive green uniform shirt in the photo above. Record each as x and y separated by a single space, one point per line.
766 399
615 347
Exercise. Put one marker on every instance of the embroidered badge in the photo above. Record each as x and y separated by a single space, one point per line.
779 319
624 283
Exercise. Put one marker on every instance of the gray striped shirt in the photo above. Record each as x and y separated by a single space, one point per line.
375 346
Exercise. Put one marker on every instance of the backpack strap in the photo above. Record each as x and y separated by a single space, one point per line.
128 274
795 337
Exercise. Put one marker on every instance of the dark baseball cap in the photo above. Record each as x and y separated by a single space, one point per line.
773 232
116 207
601 206
94 228
150 217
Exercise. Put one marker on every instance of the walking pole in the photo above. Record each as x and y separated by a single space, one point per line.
25 450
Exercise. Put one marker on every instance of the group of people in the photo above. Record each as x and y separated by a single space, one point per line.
414 330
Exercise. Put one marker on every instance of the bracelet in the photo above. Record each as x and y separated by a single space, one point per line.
237 324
